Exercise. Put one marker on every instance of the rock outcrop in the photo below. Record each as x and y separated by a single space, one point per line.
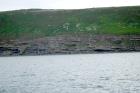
70 44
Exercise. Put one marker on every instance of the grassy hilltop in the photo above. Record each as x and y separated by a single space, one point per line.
34 23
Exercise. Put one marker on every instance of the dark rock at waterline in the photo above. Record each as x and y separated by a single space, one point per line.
71 44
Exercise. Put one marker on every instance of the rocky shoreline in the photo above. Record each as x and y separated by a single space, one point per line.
70 44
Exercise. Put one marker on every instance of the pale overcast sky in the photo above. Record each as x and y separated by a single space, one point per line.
63 4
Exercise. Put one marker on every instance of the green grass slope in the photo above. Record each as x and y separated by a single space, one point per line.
34 23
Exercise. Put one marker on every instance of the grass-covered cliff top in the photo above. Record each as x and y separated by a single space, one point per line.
33 23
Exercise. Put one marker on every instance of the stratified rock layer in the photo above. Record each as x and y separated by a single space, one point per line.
71 44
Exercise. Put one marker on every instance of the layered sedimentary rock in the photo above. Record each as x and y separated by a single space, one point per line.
71 44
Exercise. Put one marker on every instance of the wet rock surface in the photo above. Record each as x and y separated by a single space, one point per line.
70 44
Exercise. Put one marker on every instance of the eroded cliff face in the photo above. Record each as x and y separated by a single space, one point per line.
93 30
70 44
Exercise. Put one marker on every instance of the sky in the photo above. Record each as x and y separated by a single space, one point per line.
6 5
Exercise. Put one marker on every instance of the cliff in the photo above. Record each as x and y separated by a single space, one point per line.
94 30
